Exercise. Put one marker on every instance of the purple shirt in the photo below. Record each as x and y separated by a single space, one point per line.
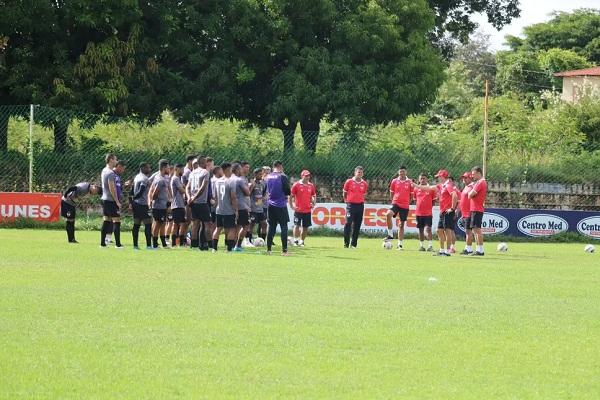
275 188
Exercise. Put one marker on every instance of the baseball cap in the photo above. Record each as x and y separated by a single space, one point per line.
305 173
466 175
442 173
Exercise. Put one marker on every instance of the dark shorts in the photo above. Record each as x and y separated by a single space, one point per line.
201 211
466 221
257 217
447 220
476 219
140 211
243 218
402 213
278 215
354 213
213 216
110 209
159 215
303 219
225 221
67 210
178 215
423 221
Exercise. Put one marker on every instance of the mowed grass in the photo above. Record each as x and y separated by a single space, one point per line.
80 322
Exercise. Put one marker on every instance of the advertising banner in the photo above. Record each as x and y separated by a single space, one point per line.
44 207
514 222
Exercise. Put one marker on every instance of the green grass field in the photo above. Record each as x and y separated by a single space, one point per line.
327 322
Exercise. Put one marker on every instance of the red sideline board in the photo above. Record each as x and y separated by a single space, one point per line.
43 207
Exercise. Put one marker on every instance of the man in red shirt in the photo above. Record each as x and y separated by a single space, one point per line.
355 189
302 200
477 197
452 238
400 191
448 203
424 200
465 212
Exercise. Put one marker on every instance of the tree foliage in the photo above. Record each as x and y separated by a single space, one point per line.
283 63
85 56
578 31
454 17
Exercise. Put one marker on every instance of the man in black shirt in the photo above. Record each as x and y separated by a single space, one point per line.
67 205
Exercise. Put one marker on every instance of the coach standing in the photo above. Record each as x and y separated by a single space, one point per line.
278 189
355 189
477 195
111 205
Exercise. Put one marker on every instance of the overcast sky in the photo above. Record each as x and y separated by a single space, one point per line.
532 11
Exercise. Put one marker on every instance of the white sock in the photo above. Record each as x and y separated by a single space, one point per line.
420 243
468 248
400 242
431 243
390 232
480 249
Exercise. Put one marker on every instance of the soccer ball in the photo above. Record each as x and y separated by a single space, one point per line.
387 245
258 242
589 248
502 247
290 240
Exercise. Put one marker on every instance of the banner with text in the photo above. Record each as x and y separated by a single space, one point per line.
44 207
514 222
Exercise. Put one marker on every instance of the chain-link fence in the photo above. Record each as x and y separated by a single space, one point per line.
46 150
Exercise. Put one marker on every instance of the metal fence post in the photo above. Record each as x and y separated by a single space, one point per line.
30 148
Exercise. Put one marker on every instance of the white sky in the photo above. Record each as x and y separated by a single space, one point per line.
532 11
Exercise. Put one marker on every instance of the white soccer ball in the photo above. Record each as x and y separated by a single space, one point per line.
290 240
502 247
387 245
258 242
589 248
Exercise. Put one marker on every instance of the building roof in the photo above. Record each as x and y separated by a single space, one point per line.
595 71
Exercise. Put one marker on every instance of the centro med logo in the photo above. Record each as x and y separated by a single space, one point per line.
542 225
590 227
492 224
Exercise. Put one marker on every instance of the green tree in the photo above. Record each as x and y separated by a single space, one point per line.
84 56
578 31
454 97
528 73
556 60
288 63
454 17
479 62
518 132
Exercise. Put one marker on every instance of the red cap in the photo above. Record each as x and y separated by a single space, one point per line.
442 173
305 173
467 175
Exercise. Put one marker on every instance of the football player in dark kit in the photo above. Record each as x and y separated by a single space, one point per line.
111 204
257 214
67 205
158 197
138 202
178 207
